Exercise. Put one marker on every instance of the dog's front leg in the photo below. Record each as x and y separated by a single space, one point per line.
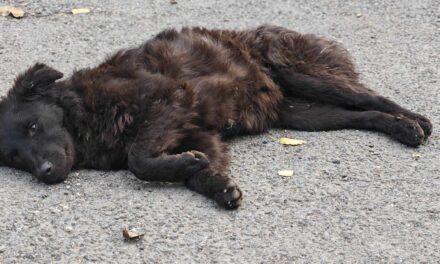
165 168
153 155
217 186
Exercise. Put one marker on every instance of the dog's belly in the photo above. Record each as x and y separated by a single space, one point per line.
232 89
228 103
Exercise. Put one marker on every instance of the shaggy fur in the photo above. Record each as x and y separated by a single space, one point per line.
162 110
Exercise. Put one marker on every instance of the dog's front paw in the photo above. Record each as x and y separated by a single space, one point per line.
192 162
230 196
407 131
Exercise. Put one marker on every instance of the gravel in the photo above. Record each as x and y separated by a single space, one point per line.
355 196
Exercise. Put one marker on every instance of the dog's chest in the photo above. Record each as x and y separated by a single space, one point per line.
104 140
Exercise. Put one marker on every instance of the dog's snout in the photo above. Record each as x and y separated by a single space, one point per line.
45 169
46 172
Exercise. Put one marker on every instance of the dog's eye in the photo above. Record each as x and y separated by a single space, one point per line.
13 157
32 128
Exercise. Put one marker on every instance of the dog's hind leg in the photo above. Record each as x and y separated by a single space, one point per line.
344 93
313 116
321 70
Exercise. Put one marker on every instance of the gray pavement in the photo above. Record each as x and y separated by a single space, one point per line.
355 196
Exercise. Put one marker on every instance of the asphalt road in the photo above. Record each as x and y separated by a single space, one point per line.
355 196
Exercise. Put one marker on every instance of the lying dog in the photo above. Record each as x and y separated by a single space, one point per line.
162 110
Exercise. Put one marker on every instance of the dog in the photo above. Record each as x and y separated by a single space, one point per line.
162 110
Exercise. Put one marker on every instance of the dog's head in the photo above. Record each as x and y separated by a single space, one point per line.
32 135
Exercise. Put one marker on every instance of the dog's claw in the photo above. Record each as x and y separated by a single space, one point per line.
193 162
230 197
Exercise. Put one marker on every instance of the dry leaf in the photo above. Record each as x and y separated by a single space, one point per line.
291 141
11 10
417 156
130 235
173 2
77 11
285 173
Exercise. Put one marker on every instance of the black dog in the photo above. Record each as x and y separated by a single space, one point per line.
162 109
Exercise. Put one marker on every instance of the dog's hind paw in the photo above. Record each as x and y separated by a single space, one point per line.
229 197
407 131
424 123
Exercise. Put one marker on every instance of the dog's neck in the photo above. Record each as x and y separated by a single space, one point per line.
82 121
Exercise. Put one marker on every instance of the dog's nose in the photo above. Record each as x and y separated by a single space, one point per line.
45 168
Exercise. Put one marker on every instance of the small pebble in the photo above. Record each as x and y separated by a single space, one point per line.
68 229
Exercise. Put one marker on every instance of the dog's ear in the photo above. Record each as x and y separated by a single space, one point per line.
34 82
